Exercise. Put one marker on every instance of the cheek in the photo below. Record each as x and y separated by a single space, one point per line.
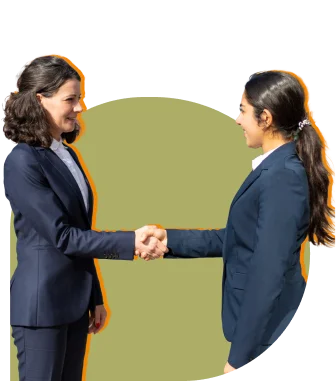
54 109
64 111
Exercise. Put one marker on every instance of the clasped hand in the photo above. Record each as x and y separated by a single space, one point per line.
150 242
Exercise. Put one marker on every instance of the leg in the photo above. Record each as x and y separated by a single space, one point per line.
75 350
41 352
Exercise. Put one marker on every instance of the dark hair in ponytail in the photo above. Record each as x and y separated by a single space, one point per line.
25 118
283 95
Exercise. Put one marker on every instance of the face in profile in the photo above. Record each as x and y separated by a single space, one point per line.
253 133
63 107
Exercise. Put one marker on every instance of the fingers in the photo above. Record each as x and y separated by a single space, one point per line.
146 257
91 325
146 234
91 322
151 248
100 325
100 318
97 321
150 242
162 247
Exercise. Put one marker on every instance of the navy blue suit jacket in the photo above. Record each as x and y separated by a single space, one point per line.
55 281
262 281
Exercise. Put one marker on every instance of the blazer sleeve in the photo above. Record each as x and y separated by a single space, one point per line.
96 294
195 243
281 204
27 188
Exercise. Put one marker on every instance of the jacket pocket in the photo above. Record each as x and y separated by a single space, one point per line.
239 280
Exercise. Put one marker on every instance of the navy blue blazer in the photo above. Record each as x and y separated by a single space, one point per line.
262 279
55 281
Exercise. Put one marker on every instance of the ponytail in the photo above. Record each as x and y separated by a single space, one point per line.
309 148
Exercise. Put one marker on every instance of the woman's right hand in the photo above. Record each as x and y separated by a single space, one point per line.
150 242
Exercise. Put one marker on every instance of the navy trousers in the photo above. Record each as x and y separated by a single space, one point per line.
52 353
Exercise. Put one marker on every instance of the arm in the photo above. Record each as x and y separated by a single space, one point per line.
281 204
195 243
27 188
98 296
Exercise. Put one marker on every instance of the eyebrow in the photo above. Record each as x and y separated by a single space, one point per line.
241 105
72 95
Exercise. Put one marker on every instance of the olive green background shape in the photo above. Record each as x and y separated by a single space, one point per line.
178 164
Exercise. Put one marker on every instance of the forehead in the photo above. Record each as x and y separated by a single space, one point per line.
72 86
244 102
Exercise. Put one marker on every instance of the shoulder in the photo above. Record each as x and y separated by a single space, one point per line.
21 151
22 156
286 175
288 166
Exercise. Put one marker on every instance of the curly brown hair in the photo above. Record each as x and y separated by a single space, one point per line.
25 118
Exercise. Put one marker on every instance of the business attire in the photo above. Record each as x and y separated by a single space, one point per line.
262 278
55 283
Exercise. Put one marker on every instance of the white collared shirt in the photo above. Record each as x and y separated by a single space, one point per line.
62 152
259 159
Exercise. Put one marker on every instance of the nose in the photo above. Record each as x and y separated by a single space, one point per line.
78 107
238 120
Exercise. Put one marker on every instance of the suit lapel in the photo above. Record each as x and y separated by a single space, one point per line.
74 156
279 154
64 171
250 179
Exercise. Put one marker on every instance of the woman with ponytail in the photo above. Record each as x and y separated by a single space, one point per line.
282 201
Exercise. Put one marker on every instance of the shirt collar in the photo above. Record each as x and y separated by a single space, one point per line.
259 159
57 145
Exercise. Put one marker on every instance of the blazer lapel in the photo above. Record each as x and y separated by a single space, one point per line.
280 153
64 171
74 156
250 179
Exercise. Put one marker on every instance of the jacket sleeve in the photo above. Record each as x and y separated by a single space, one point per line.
195 243
96 293
281 205
27 188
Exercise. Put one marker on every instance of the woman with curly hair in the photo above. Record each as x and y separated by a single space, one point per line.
56 297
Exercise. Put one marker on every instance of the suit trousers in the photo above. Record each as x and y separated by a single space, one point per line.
52 353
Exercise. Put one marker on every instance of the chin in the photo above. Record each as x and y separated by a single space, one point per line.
67 129
252 144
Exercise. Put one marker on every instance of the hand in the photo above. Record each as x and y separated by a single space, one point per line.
97 319
147 246
151 231
228 368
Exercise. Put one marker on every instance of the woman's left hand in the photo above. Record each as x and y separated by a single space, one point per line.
97 319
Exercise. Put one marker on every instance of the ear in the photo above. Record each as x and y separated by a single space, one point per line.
266 118
39 98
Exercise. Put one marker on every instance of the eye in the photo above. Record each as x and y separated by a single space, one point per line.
72 99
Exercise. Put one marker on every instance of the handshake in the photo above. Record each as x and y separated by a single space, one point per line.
150 242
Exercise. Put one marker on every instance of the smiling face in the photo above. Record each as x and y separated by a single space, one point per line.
253 132
63 107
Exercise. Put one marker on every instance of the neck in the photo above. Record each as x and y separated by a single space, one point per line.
270 144
56 136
